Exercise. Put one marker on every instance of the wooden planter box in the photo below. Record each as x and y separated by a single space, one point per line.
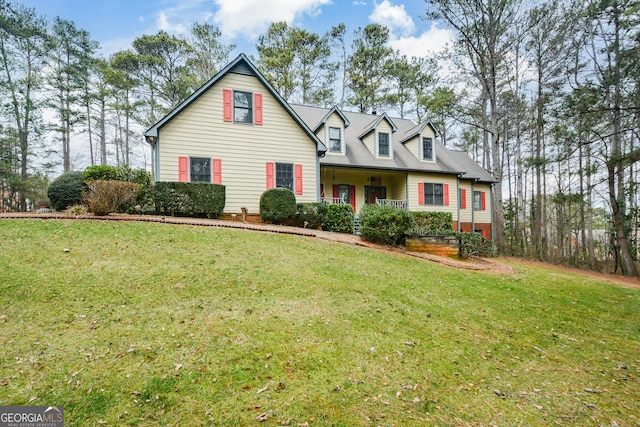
437 245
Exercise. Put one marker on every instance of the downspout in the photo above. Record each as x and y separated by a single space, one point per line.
493 239
473 207
458 208
406 189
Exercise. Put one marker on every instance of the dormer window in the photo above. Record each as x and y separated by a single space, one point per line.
335 140
383 144
427 148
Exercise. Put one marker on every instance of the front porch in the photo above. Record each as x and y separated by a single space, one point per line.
359 187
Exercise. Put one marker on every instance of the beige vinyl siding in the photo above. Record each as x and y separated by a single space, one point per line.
484 216
369 142
334 121
199 130
466 214
414 146
415 178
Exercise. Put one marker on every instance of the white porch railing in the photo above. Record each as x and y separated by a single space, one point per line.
400 204
334 200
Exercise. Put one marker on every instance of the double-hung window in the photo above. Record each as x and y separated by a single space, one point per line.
242 107
477 200
427 148
284 175
383 144
335 141
433 194
200 169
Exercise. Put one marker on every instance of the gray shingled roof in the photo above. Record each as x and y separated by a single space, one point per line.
359 156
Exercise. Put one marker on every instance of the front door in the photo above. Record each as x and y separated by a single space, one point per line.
373 192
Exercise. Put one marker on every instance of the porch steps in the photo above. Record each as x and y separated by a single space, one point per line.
356 225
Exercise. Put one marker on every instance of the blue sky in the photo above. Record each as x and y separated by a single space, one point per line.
116 23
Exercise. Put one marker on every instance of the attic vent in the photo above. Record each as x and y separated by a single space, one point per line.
376 180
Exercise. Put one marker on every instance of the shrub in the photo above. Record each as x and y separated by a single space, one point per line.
339 218
473 244
312 215
123 173
277 205
192 199
431 224
66 190
105 197
76 210
383 224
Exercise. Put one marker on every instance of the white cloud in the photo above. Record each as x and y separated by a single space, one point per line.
359 3
394 17
426 44
163 24
250 18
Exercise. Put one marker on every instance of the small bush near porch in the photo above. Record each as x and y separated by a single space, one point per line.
384 224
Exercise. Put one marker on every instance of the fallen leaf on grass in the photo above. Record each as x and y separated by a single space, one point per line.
262 417
262 390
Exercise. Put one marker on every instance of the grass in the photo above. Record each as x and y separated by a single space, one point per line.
156 324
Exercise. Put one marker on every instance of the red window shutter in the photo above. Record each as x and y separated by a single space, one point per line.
321 190
227 101
352 193
483 198
335 192
183 169
484 232
421 193
446 194
463 196
217 171
298 178
257 108
271 181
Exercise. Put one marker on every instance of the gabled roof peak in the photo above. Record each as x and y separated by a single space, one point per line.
374 124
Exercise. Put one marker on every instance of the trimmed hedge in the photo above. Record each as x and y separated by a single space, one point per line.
339 218
105 197
383 224
431 224
312 215
277 205
189 199
66 190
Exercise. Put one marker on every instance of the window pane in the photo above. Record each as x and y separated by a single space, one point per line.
477 200
433 194
427 149
438 198
241 99
284 175
200 169
428 194
335 144
383 144
242 107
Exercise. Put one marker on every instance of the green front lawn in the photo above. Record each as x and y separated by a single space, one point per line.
157 324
